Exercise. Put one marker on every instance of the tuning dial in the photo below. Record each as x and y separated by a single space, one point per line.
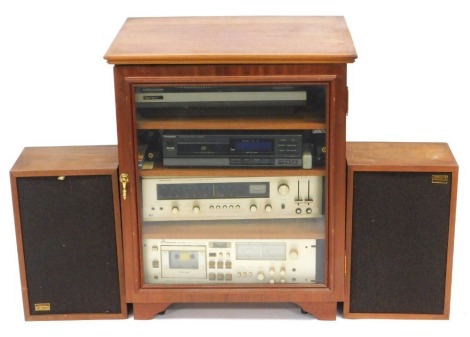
294 254
175 210
283 189
268 208
196 209
253 208
260 276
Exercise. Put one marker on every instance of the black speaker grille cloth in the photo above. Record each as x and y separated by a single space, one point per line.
69 240
399 243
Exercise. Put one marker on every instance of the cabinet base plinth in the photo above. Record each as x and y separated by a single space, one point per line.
148 310
323 311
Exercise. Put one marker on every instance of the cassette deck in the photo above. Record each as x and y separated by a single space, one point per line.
225 261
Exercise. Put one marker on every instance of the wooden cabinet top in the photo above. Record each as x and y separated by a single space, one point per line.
232 40
402 155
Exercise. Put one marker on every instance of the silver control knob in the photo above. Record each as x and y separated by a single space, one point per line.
294 254
175 210
196 209
268 208
260 276
283 271
271 271
253 208
283 189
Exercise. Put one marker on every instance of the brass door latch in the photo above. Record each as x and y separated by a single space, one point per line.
124 179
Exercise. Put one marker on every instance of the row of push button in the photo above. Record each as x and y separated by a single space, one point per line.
220 264
220 277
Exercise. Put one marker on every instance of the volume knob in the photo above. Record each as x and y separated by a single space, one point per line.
175 210
294 254
283 189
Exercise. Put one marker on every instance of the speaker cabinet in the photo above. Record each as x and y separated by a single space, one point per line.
67 217
401 203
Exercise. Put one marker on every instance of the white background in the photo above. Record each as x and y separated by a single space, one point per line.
409 83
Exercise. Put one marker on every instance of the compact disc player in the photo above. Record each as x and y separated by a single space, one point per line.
227 261
175 199
232 148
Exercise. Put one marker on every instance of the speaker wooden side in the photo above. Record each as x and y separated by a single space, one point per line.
66 205
401 204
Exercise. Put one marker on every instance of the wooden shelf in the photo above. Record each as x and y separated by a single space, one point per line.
302 122
310 228
160 171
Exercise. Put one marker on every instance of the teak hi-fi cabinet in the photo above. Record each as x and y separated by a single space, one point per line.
231 137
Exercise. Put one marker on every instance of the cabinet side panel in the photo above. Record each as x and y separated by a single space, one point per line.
69 242
399 246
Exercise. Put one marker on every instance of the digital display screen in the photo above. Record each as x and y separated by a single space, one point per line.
213 191
255 146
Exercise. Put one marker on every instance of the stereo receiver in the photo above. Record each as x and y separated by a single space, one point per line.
265 261
236 148
167 199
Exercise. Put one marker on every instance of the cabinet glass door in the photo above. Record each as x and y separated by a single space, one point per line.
232 183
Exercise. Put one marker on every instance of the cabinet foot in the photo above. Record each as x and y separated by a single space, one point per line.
322 311
149 310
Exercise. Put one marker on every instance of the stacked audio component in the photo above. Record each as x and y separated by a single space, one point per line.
237 198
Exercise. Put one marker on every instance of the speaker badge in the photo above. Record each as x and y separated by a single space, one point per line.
440 179
42 307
